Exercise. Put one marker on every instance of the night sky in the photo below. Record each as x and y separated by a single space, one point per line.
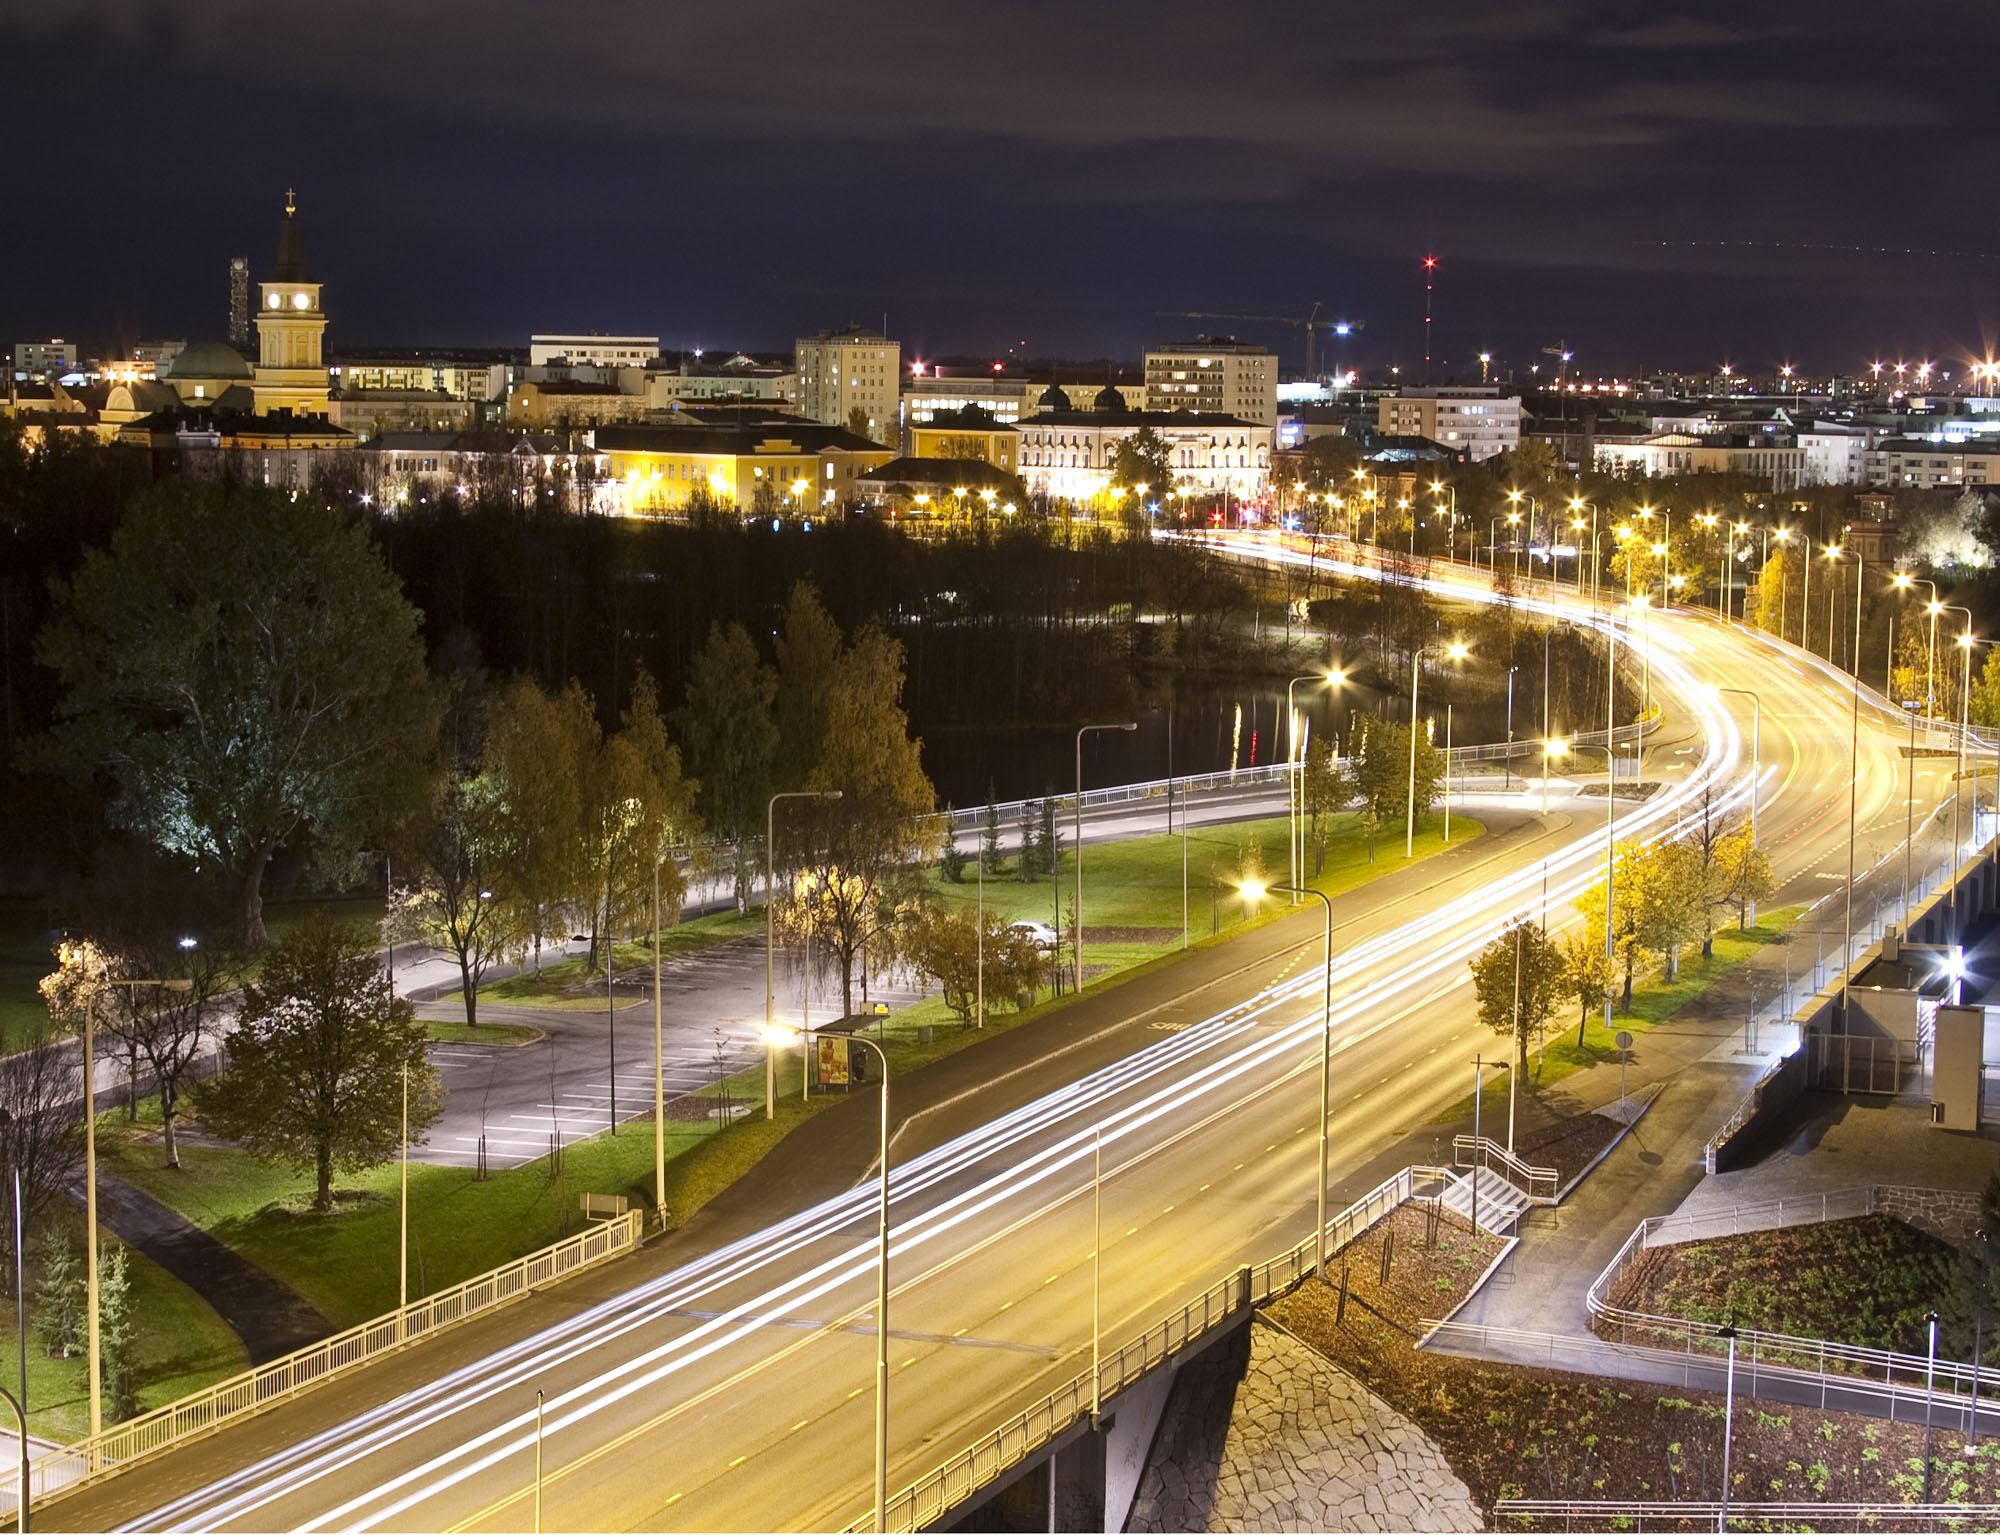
1049 174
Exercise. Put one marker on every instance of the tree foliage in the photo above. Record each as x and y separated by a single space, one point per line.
944 944
731 738
1518 979
318 1059
245 669
1143 458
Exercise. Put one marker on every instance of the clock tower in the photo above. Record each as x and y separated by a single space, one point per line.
291 372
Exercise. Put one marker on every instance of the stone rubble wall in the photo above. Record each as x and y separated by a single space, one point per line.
1296 1445
1951 1215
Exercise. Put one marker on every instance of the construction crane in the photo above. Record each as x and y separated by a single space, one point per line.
1311 323
1560 351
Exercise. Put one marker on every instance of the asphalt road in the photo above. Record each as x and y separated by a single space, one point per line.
733 1391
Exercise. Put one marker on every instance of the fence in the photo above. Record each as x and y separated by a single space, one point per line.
1958 1385
1572 1513
935 1494
227 1402
1538 1183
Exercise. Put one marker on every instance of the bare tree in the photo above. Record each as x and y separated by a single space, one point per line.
41 1134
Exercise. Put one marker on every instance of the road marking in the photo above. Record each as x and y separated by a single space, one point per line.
798 1425
856 1392
736 1462
1131 1231
1050 1280
1168 1211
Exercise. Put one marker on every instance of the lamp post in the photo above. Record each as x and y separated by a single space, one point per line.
1554 749
1834 552
781 1033
770 946
1458 651
1756 766
178 983
1077 914
660 1066
1958 772
1479 1065
1728 1421
1253 891
1295 801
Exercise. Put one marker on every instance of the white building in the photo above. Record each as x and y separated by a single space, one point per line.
602 351
475 376
1910 463
840 372
1066 453
1216 375
1777 462
45 359
1475 420
1832 454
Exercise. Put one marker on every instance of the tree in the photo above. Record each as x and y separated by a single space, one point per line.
1769 603
1382 771
858 423
943 943
1626 936
115 1333
1518 978
61 1296
41 1133
1588 971
865 846
951 858
732 743
1673 908
245 668
989 836
1985 700
1972 1300
1742 874
1143 459
537 748
809 650
318 1059
454 852
1327 788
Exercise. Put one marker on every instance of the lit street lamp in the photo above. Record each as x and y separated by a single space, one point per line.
1253 891
775 1035
1295 780
1756 768
1077 914
1458 651
770 946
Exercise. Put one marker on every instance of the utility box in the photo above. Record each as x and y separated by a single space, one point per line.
603 1206
1958 1054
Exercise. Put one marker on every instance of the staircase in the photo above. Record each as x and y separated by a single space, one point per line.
1500 1202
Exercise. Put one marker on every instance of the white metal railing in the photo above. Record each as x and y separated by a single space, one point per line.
1812 1358
933 1495
1798 1373
1609 1514
1538 1183
240 1396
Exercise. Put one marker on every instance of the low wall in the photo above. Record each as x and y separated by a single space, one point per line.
1951 1215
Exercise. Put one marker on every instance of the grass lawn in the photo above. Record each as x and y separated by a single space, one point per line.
507 1035
26 955
182 1345
1654 1000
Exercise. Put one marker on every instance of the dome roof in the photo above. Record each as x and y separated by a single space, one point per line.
1107 399
209 359
1053 398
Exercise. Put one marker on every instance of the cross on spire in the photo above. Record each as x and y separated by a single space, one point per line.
291 201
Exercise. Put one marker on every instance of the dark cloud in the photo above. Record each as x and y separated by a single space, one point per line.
991 170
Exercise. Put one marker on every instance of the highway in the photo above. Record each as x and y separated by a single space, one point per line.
735 1392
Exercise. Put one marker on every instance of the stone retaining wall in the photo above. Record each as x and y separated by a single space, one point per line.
1297 1445
1949 1214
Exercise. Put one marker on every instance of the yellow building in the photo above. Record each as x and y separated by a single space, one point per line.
762 467
966 434
291 331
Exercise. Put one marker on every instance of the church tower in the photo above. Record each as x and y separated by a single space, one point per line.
291 327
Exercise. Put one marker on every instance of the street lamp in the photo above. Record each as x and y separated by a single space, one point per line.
1554 749
179 983
1458 651
777 1034
1078 913
1294 801
1253 891
1756 768
770 945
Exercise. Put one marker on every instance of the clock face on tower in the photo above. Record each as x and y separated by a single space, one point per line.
273 301
301 301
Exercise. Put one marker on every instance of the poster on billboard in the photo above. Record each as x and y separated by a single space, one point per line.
832 1061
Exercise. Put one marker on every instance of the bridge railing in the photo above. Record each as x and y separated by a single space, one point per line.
240 1396
993 1454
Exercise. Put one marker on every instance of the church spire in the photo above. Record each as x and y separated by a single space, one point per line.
291 265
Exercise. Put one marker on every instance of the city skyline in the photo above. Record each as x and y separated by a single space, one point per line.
1003 178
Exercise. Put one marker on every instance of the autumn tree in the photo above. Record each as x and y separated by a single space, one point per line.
244 671
1673 906
1518 979
319 1057
860 876
731 739
1328 786
1741 875
1589 971
1382 772
454 896
943 943
809 650
538 746
1627 938
636 808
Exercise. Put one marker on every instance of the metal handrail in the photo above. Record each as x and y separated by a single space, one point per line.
203 1412
932 1495
1538 1183
1808 1356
